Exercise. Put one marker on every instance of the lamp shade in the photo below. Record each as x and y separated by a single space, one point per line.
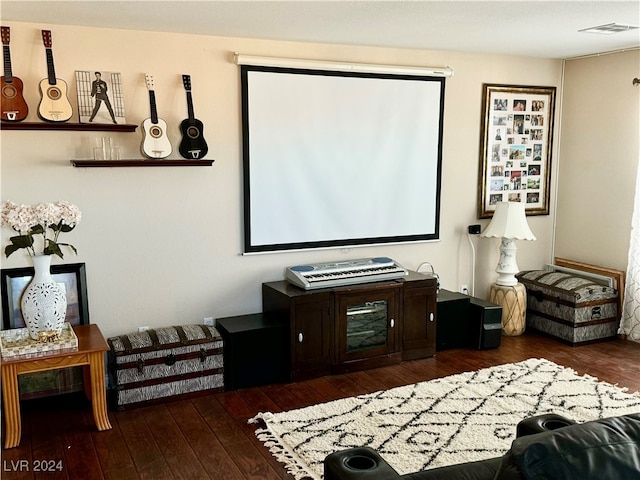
509 221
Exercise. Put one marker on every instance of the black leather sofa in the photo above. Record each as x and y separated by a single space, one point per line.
547 447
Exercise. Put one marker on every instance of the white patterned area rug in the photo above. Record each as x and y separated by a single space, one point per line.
460 418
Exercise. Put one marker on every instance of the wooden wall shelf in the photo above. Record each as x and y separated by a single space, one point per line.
142 163
87 127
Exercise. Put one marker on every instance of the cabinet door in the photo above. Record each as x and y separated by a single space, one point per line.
419 322
366 324
311 342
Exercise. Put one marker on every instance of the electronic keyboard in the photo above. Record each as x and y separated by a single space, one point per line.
350 272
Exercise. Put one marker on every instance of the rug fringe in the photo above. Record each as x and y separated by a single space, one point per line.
293 464
591 377
264 416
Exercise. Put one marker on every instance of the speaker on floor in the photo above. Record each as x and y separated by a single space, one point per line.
452 327
485 320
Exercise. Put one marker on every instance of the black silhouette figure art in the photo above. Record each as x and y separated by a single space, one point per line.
99 93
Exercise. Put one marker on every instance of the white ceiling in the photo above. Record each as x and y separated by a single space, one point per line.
516 27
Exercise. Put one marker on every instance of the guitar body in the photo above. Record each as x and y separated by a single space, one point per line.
54 104
14 107
155 142
193 145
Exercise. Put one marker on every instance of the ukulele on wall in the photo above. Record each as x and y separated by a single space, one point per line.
14 108
54 105
193 145
155 142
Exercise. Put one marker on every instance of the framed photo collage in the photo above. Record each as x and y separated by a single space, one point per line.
515 161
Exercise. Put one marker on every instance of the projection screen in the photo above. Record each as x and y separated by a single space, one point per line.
338 159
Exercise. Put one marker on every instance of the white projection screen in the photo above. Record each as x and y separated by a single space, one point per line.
339 159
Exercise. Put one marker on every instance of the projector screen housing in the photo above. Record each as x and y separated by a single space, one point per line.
339 159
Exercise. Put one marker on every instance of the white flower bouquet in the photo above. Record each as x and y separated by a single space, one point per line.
46 219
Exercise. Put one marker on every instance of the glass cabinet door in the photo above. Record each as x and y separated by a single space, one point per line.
366 324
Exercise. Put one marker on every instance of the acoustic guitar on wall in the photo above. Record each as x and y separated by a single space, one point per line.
54 105
193 145
155 142
14 108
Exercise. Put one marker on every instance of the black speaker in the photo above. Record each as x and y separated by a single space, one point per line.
452 322
254 350
485 320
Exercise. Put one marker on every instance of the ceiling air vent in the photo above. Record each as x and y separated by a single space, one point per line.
609 29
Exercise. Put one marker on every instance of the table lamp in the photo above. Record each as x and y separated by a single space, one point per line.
509 223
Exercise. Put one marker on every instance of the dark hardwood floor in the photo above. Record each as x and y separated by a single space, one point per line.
208 437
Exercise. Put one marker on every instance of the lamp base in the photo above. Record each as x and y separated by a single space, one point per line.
513 300
507 266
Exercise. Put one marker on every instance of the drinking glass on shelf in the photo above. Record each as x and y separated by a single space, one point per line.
106 148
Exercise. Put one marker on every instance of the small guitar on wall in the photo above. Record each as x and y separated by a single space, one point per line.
14 107
54 105
155 142
193 146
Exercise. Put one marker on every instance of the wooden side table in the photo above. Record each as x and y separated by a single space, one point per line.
513 300
90 354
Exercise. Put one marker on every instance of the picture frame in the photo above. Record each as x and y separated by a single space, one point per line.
515 147
15 280
100 97
13 283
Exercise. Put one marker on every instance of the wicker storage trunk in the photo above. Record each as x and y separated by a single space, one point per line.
166 362
571 308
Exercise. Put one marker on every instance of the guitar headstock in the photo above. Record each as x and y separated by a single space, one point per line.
46 38
186 81
149 81
6 35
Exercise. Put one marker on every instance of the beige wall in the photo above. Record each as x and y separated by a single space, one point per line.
163 245
598 159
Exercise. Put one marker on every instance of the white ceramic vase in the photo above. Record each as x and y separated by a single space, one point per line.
44 302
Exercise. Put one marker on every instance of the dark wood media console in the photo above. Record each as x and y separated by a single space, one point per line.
341 329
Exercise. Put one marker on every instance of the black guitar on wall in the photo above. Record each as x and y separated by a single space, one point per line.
192 146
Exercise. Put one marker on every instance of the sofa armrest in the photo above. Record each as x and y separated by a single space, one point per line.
360 463
479 470
603 449
542 423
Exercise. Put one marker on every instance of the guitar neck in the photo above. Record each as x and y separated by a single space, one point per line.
190 106
50 68
152 103
8 75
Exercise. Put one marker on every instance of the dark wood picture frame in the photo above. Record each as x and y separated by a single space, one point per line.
15 280
516 147
13 283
